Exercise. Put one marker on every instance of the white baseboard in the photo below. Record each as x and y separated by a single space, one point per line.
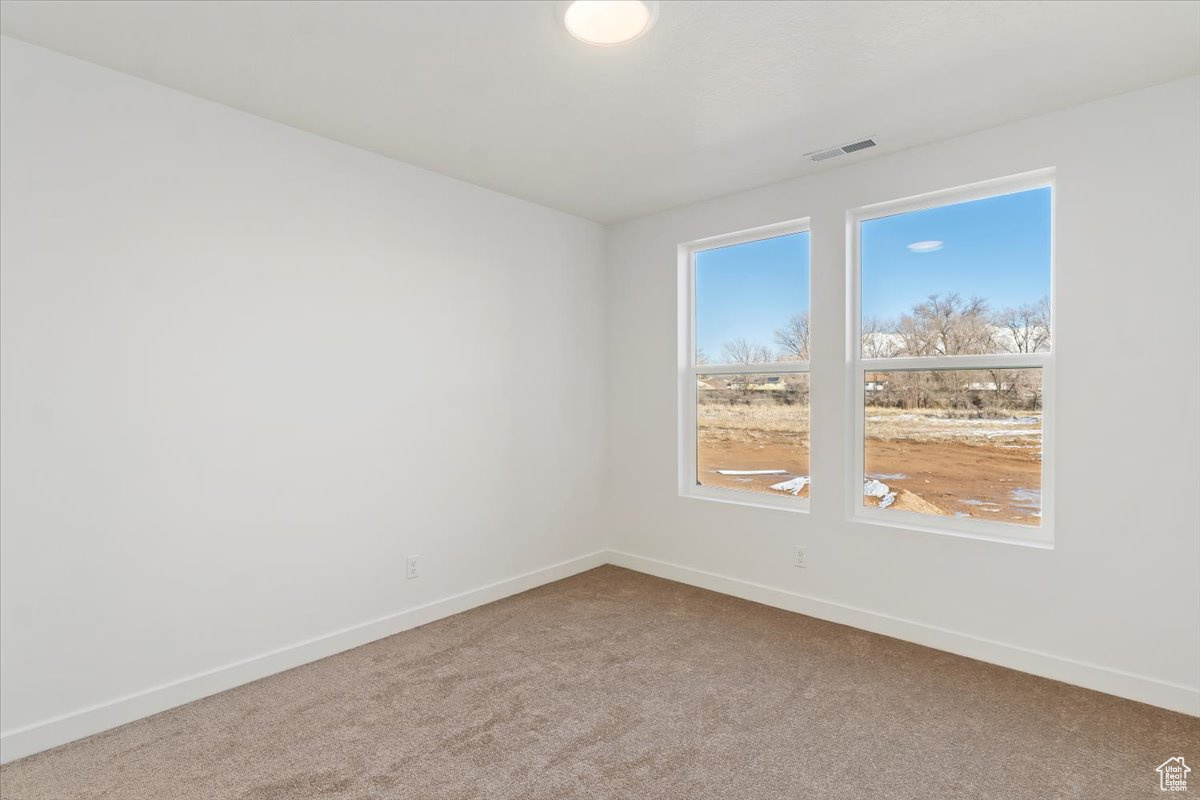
1172 696
95 719
85 722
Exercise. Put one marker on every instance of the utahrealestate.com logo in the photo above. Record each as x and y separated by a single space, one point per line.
1172 775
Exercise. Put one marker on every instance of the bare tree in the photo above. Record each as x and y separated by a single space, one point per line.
1027 326
941 325
947 325
701 357
739 351
879 339
793 338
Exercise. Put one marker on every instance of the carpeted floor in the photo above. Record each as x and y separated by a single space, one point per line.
613 684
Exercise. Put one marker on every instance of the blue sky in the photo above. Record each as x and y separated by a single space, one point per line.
748 290
997 248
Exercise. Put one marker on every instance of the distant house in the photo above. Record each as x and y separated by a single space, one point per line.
1022 390
769 383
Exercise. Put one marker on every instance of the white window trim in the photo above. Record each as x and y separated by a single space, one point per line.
857 367
689 371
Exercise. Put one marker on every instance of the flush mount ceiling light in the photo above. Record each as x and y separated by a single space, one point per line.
608 22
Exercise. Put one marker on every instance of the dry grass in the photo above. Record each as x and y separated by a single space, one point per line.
1020 429
751 421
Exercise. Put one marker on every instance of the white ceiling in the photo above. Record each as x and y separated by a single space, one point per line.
717 97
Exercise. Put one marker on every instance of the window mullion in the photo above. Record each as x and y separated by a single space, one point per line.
771 368
985 361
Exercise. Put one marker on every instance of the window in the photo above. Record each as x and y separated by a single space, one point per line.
744 367
952 360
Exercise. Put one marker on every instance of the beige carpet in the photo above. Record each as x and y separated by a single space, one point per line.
613 684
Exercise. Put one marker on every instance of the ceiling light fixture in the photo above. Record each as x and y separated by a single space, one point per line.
608 22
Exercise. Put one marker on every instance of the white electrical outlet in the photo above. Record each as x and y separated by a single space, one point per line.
412 567
799 557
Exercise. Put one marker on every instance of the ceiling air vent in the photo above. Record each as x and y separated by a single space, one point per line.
834 152
821 155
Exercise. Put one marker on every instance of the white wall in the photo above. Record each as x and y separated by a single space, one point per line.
246 371
1116 604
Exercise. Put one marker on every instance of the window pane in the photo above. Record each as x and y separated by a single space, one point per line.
752 301
752 433
961 443
964 279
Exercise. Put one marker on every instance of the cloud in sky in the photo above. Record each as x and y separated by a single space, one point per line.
925 247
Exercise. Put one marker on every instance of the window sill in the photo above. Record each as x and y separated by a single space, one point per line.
1040 538
782 502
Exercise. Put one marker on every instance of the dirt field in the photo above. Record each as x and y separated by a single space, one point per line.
984 481
749 437
971 465
769 452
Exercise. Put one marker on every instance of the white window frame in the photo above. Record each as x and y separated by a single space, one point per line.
1041 536
689 371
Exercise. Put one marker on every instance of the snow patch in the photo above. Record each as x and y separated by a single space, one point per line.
937 427
994 434
873 488
794 486
1028 500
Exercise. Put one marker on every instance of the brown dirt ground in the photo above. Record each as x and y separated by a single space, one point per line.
761 453
907 501
944 474
949 473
